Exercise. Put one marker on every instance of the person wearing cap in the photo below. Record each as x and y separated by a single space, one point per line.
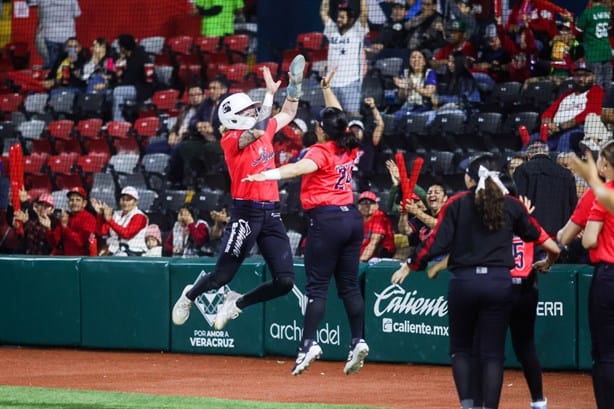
594 24
288 141
493 62
335 230
391 39
462 10
71 236
476 228
345 50
247 141
456 42
35 240
153 241
124 228
565 117
550 187
378 236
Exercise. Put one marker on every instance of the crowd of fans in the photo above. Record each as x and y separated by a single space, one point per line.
447 59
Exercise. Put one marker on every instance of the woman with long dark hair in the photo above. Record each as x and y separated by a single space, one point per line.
335 230
476 228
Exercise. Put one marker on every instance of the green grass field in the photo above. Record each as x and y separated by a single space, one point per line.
46 398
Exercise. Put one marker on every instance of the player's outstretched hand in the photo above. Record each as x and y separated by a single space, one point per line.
399 276
271 85
527 204
587 170
258 177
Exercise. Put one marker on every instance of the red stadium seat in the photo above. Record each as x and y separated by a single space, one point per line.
207 44
165 100
10 103
118 129
273 67
309 43
67 181
180 44
93 162
62 163
236 46
33 164
61 129
89 128
147 127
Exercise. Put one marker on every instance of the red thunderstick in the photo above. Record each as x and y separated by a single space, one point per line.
16 179
408 182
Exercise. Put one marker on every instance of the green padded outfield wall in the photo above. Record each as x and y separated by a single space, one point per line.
283 326
125 303
39 300
556 337
242 336
585 359
408 322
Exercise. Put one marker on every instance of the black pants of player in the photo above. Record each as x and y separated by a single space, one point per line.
522 327
333 249
479 305
601 322
250 223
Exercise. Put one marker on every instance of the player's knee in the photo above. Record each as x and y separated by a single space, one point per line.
284 284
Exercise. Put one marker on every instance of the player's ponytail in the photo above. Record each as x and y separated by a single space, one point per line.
489 201
334 122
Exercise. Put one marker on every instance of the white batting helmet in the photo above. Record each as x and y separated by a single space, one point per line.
230 107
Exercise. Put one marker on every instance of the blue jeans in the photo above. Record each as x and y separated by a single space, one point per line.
53 53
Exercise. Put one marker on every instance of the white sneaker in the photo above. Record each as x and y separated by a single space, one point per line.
540 404
181 310
306 355
356 357
228 311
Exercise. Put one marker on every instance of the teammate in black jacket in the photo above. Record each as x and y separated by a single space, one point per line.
476 228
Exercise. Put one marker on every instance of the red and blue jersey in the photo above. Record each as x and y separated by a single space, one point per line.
331 184
256 157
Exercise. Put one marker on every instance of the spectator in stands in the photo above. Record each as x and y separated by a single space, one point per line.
345 51
208 111
56 19
594 24
65 75
540 17
181 127
288 142
426 30
35 220
458 88
493 62
462 10
550 187
99 71
370 137
524 57
456 43
566 115
197 154
219 16
191 237
378 238
8 238
391 39
133 84
417 88
607 109
393 203
71 236
153 241
124 228
426 218
564 50
513 163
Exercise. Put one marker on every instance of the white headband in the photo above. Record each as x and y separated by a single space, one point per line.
484 174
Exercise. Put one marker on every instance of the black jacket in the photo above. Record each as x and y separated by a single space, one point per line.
551 188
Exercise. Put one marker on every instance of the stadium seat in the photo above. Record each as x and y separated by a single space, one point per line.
18 53
60 199
173 200
164 73
62 163
236 46
35 104
504 96
124 163
165 101
389 67
310 42
10 103
153 45
538 95
61 105
509 138
484 126
89 106
180 44
32 129
34 164
147 200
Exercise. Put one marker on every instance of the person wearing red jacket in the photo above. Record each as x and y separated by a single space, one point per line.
192 238
565 117
378 237
124 228
541 17
71 236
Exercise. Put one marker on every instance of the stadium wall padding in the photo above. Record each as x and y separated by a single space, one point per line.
125 303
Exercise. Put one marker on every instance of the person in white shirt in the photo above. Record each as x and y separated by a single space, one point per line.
346 52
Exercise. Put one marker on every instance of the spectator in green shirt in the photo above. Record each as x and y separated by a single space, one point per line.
594 25
218 16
